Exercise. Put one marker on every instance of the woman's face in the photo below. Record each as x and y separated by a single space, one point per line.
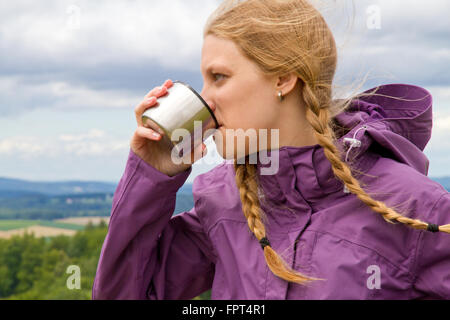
240 95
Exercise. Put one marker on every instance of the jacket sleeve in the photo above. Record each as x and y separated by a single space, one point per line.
147 252
432 272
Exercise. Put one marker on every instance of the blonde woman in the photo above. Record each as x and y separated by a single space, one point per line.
349 214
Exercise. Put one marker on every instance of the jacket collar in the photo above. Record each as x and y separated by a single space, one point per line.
304 174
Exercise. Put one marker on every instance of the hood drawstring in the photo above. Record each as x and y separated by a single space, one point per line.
354 143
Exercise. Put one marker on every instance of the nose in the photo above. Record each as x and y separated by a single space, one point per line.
208 100
212 106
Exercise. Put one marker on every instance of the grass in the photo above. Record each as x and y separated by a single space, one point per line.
62 225
6 225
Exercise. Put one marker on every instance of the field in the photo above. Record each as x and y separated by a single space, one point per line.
47 228
82 220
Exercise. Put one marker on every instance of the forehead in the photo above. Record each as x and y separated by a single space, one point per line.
217 52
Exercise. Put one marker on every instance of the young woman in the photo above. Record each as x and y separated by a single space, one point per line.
349 214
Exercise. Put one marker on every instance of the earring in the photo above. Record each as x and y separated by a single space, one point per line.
280 96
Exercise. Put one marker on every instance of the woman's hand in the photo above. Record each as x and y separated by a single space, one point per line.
149 147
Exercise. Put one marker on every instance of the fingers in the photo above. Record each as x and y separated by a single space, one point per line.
167 84
147 133
141 107
150 100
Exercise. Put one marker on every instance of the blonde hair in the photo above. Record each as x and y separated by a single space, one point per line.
284 36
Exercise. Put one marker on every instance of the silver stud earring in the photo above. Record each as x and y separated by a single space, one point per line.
280 96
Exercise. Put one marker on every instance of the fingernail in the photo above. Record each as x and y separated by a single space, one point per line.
156 135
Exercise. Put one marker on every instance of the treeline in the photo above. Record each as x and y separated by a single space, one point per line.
47 207
38 268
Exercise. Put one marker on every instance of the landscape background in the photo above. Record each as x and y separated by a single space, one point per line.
72 71
46 227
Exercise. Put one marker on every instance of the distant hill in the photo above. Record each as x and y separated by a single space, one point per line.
55 188
18 187
21 199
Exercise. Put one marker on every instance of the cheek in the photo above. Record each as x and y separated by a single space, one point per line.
239 111
256 108
245 104
255 115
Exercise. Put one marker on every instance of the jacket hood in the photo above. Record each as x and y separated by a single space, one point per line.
395 123
398 122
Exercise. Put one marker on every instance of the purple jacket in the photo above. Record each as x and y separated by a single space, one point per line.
320 230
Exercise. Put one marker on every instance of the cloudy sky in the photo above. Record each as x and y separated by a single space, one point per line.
71 73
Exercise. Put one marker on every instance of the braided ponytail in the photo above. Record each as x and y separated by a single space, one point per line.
319 118
246 180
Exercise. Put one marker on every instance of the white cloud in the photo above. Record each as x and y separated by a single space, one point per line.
47 62
442 124
440 92
94 133
93 32
96 148
26 146
60 39
92 143
17 91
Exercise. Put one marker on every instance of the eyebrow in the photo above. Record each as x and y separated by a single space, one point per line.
216 66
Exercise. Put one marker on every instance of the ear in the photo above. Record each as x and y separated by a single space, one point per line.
287 83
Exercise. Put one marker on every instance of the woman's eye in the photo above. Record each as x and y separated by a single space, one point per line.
217 74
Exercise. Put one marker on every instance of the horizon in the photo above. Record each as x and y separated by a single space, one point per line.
115 182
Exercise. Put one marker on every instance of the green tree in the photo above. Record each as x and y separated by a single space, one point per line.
31 260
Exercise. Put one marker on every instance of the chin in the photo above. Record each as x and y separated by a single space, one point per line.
220 140
231 154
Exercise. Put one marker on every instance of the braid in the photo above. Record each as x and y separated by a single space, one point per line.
246 183
246 180
319 118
